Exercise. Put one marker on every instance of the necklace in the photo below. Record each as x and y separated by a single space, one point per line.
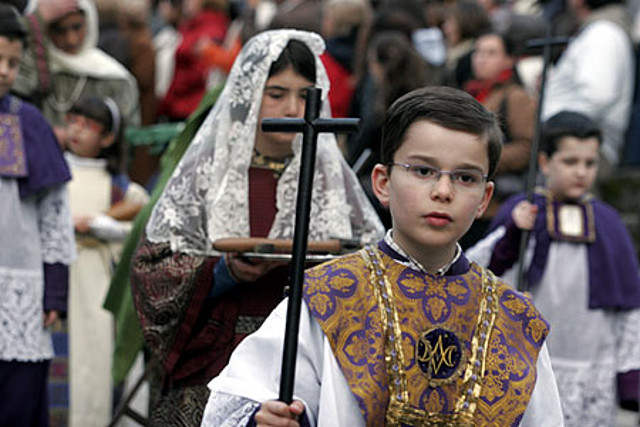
62 106
278 166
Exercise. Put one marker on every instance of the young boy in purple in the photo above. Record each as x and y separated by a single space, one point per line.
581 269
37 242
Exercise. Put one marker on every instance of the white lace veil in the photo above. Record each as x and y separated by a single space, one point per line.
207 197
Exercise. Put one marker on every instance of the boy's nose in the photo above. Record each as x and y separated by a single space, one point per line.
4 68
442 187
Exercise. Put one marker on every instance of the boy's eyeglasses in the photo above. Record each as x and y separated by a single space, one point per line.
464 178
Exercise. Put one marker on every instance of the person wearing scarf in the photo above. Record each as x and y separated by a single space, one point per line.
497 86
196 304
64 64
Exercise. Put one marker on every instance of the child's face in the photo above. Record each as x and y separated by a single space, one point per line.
489 57
284 96
68 33
431 214
10 56
571 170
85 137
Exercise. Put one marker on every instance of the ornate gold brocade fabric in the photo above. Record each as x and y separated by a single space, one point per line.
422 350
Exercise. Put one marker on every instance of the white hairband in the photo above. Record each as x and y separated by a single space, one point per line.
115 114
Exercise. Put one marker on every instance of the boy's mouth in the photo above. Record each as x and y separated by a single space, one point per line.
438 219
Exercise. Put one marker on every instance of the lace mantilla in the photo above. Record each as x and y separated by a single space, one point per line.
206 198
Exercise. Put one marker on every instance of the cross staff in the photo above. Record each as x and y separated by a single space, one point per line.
546 44
310 126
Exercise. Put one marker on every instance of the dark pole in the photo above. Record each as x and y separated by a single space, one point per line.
310 127
546 44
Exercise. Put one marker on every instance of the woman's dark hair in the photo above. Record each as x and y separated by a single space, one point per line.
96 108
11 24
567 123
297 55
403 67
472 18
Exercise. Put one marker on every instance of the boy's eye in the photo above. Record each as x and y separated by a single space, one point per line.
424 171
466 177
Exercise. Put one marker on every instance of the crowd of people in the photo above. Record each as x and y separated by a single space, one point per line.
108 252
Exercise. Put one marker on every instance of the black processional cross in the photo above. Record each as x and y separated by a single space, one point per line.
546 44
310 127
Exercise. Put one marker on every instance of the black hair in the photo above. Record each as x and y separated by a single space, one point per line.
11 25
472 18
567 123
444 106
297 55
96 108
507 42
596 4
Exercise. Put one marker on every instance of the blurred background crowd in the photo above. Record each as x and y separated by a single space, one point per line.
159 60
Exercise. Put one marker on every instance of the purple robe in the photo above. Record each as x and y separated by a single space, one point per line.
614 282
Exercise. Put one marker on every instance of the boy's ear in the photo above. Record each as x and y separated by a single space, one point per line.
380 183
107 139
543 163
486 198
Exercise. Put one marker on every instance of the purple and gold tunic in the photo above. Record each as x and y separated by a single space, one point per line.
418 349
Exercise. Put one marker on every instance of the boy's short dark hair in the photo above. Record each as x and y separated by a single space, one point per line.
567 123
444 106
11 25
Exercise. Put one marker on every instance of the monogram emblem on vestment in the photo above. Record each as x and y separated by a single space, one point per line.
439 354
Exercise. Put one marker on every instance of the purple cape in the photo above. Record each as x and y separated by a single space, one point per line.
46 166
614 282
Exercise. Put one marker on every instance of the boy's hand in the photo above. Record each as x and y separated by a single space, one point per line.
276 413
49 317
524 215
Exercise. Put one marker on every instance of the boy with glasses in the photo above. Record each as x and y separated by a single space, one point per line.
407 332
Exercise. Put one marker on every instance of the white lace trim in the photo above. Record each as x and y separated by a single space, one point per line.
56 227
22 334
628 340
227 410
206 198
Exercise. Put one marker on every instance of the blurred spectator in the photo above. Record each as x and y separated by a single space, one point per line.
499 12
63 64
464 21
297 14
102 201
133 21
133 18
203 19
344 23
595 75
395 68
498 87
166 42
110 36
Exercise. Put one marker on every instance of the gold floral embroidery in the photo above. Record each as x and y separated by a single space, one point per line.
358 330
